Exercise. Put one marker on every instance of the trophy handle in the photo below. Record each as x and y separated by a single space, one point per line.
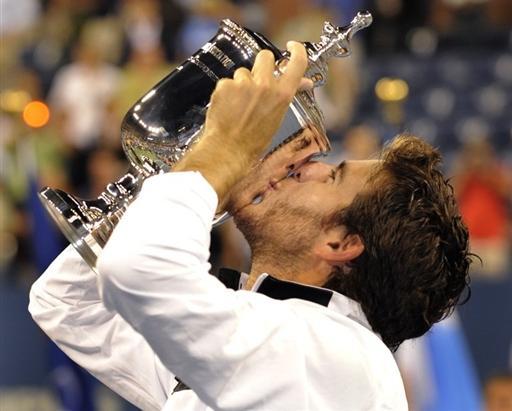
88 224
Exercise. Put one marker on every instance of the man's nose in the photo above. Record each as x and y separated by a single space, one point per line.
313 171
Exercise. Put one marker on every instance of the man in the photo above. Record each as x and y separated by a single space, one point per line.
348 261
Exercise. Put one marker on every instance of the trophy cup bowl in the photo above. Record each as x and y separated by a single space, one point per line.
162 126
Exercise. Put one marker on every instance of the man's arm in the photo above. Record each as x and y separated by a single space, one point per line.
153 272
65 303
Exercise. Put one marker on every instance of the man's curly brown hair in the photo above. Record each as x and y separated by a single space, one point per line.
415 264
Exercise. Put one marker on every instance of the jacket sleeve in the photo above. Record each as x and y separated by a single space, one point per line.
153 273
66 304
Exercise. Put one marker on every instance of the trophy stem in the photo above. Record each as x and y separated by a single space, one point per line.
88 224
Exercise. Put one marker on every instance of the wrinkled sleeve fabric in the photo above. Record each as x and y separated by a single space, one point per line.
154 273
65 303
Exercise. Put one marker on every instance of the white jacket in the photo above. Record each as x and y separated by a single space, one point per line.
154 313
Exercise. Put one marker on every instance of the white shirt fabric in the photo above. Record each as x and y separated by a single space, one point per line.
154 313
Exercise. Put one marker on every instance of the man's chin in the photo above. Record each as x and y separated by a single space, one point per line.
248 222
255 210
244 215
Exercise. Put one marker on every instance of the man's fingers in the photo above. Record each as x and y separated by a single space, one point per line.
264 65
306 84
296 67
242 73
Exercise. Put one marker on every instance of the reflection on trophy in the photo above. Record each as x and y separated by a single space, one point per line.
165 123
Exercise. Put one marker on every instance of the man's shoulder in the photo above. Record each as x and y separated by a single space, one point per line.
351 356
339 316
345 338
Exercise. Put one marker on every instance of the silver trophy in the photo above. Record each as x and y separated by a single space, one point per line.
165 122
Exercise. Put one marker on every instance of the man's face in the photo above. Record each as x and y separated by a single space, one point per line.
289 212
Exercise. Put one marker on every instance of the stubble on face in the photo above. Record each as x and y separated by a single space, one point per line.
280 239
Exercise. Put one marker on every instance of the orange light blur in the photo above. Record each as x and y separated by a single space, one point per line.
36 114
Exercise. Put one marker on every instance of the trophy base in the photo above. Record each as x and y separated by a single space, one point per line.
87 224
67 212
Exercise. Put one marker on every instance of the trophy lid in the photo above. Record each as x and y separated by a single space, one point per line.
334 42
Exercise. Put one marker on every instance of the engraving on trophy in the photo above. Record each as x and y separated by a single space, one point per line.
219 55
206 70
240 36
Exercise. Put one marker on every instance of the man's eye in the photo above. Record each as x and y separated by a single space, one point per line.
332 175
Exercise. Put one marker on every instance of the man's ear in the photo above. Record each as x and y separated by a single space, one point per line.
339 247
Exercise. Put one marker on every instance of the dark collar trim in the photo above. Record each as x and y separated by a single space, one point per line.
230 278
278 289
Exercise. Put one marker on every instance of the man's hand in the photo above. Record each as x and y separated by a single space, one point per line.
244 114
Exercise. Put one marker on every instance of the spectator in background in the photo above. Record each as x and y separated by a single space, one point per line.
498 392
142 23
13 235
345 8
19 15
29 158
48 43
50 40
457 19
393 22
483 187
361 142
81 92
104 166
203 21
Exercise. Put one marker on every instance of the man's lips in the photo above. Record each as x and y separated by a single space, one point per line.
273 185
280 164
255 193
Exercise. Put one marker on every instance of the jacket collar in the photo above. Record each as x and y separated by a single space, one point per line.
284 290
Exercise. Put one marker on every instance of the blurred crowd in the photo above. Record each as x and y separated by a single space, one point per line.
88 61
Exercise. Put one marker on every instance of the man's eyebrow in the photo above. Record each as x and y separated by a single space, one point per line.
338 172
